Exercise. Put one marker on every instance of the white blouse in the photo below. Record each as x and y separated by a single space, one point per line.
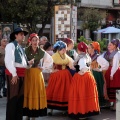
83 64
115 63
46 63
119 55
104 64
10 59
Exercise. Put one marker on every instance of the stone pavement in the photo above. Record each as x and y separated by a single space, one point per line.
106 114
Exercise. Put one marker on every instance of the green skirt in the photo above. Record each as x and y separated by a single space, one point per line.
100 83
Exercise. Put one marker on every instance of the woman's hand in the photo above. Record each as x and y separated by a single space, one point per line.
73 68
111 78
31 62
55 70
40 68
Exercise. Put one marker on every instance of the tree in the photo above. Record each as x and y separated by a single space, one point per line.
29 12
91 18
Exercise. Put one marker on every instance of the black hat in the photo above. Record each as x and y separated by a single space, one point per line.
17 30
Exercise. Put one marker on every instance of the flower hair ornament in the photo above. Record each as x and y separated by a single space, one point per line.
32 35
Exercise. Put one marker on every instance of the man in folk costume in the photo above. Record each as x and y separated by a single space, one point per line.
15 62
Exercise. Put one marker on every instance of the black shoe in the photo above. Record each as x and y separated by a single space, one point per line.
50 113
65 113
4 95
0 96
82 118
113 109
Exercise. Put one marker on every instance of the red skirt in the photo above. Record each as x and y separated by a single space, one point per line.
83 96
112 85
58 89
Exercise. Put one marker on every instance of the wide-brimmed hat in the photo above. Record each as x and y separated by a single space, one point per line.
17 30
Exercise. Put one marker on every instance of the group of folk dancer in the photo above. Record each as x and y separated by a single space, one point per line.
78 82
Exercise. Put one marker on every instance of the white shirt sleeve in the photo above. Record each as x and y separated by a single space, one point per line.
115 64
102 62
10 59
119 55
47 63
75 54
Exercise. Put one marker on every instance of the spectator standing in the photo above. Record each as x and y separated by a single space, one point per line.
2 66
43 40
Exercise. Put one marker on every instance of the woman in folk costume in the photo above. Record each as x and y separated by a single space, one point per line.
83 95
46 73
60 79
94 50
71 52
112 75
48 48
35 101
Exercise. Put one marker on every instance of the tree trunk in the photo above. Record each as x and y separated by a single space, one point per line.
87 33
44 22
41 30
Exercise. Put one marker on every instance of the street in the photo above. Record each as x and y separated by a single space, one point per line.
106 114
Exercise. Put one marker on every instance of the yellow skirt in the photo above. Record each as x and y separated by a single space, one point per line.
34 90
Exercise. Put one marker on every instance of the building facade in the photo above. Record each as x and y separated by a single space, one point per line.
109 7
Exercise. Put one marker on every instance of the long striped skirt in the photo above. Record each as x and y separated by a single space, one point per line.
58 89
83 96
112 85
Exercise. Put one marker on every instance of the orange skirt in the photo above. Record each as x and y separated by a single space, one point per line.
58 89
83 96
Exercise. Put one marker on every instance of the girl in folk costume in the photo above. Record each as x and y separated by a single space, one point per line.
112 74
35 101
71 52
94 50
48 48
60 79
46 73
83 95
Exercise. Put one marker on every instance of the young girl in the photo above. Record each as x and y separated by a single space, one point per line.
71 52
46 73
83 95
60 79
94 51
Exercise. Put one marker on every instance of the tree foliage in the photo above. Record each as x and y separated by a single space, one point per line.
29 12
91 18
